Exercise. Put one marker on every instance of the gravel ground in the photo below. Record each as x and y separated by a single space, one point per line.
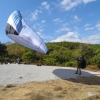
19 74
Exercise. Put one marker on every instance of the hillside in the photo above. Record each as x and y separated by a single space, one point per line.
59 54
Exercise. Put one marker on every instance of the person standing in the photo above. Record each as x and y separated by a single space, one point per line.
81 63
18 60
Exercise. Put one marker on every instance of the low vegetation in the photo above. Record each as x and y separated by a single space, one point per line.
59 54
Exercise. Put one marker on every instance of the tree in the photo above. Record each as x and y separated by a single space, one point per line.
29 56
3 52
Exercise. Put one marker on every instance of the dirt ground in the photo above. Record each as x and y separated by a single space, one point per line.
80 88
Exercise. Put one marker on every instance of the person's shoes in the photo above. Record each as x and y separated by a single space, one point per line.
79 74
76 72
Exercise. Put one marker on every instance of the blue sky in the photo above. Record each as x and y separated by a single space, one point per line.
56 20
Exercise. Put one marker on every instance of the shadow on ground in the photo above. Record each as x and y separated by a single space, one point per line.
85 78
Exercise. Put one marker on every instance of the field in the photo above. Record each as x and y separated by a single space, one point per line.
80 88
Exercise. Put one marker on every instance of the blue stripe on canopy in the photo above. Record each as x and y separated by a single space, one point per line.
16 16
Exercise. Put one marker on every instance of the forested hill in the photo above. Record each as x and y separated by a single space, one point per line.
59 53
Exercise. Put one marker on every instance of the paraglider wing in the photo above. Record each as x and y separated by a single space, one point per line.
18 30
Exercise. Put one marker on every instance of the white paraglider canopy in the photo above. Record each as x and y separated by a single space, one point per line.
18 30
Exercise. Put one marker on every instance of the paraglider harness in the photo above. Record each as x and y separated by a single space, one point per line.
81 62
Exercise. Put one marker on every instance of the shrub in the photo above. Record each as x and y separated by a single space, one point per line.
50 61
70 63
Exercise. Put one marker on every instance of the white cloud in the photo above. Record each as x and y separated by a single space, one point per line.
86 25
94 38
62 29
74 37
65 24
57 20
70 36
87 1
65 2
41 30
98 26
43 21
76 18
39 27
44 36
45 5
34 15
69 4
89 28
39 33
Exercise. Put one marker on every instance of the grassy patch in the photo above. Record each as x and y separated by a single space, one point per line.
57 88
10 86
